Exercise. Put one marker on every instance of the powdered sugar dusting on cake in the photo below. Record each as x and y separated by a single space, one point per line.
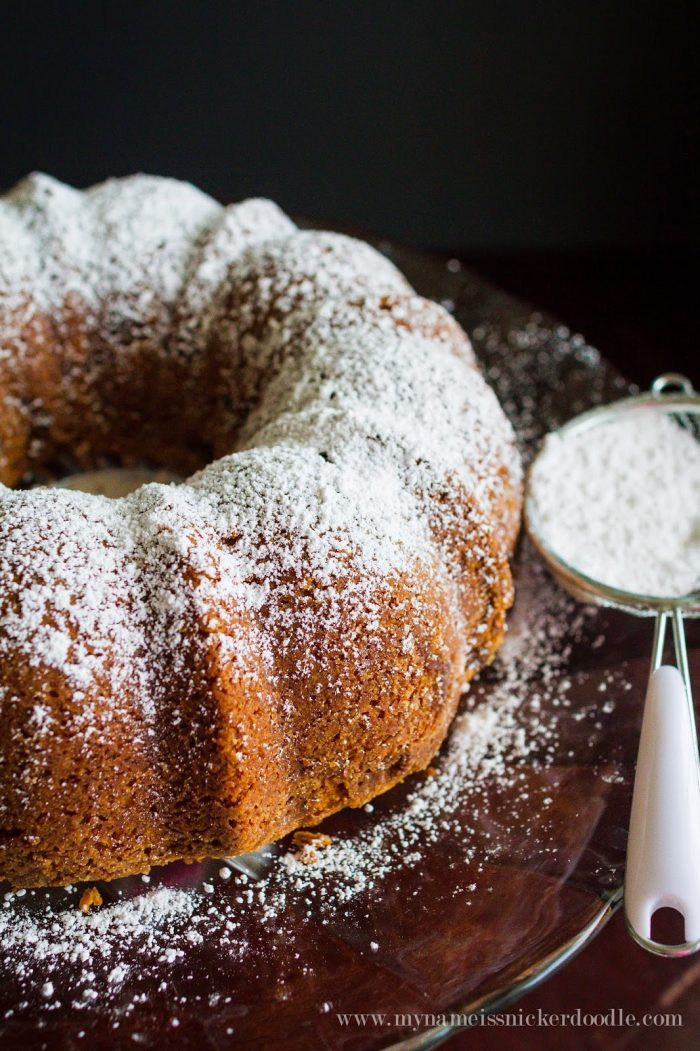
362 426
53 229
238 227
354 387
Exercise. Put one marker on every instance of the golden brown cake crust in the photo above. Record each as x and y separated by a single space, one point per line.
196 670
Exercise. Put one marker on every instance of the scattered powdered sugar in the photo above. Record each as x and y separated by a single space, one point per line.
495 740
543 375
68 936
620 502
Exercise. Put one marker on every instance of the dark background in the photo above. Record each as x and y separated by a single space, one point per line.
548 143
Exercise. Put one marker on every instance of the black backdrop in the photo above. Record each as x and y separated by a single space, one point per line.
475 126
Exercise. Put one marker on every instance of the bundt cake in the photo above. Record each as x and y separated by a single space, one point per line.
196 669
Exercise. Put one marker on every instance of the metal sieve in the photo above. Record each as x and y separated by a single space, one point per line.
663 848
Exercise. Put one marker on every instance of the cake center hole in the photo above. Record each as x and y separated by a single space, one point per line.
113 481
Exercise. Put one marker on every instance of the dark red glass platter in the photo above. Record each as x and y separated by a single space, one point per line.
455 892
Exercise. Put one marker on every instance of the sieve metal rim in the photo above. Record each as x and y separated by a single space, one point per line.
670 392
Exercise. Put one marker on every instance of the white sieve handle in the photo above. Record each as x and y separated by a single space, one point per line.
663 849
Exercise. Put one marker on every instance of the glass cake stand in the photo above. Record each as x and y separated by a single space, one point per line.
454 893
